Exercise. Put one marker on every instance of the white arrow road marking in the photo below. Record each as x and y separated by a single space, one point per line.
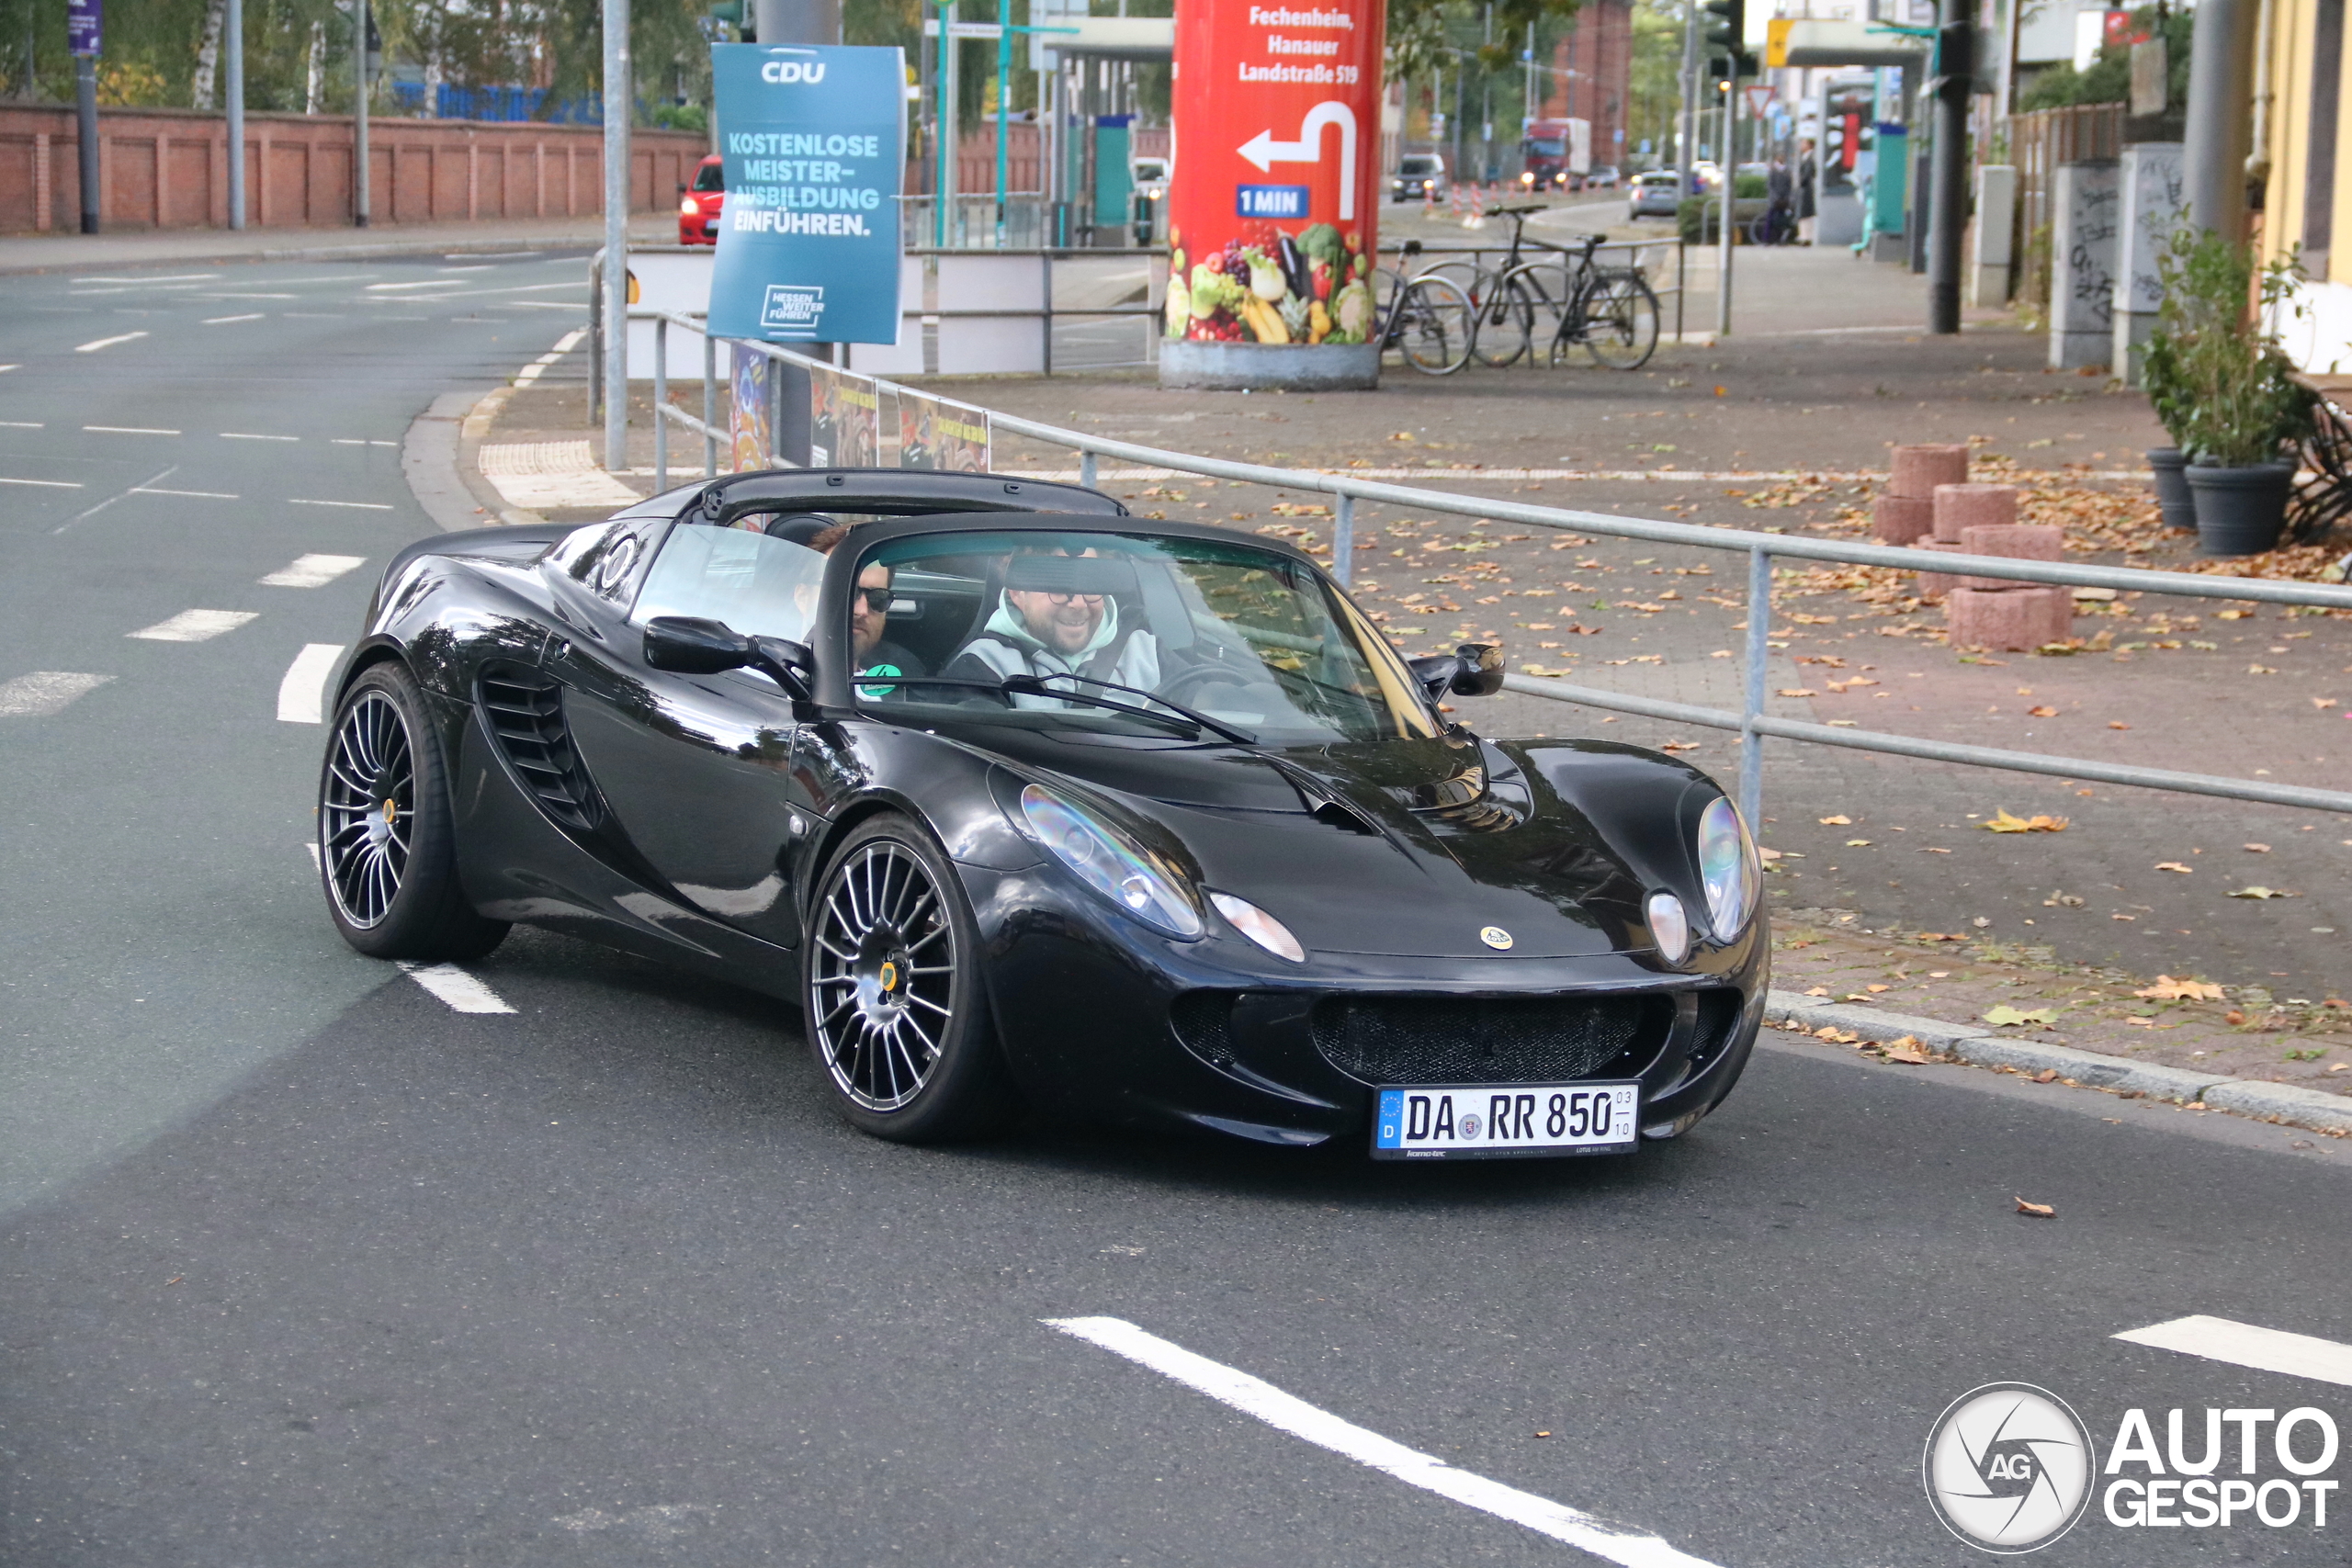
2244 1345
302 694
1286 1412
452 985
1265 151
93 347
45 692
312 571
196 625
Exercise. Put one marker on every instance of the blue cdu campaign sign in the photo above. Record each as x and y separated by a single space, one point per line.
814 144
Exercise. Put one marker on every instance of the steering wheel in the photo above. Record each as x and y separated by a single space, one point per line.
1180 686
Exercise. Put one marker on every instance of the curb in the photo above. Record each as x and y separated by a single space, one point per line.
431 463
1986 1048
373 250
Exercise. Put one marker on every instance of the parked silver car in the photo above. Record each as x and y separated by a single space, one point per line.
1420 176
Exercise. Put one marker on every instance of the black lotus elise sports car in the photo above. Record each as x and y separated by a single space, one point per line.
1026 802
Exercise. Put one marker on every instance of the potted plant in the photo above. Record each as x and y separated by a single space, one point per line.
2228 393
2160 375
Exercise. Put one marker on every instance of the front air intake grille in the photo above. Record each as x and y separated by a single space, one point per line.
525 712
1203 1022
1467 1040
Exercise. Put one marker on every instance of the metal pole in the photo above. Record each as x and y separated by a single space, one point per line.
359 117
86 135
1045 318
1343 541
617 184
2219 123
1003 110
232 22
709 404
1751 741
950 138
1724 225
661 404
1689 118
1947 166
1086 470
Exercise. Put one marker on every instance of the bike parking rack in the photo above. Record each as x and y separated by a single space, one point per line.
1751 723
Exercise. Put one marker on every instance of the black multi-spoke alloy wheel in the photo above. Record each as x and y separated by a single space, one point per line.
896 1014
387 851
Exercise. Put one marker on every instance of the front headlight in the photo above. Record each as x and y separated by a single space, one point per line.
1726 869
1258 926
1670 926
689 207
1112 864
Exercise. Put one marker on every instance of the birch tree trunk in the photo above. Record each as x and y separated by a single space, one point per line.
207 59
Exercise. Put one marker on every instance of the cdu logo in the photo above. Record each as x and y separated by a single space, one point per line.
783 71
2008 1467
789 305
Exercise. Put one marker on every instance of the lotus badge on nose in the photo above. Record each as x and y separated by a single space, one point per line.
1496 938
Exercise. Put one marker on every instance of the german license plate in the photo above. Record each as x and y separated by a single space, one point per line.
1472 1122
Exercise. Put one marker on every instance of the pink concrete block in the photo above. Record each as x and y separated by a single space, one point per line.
1919 470
1936 584
2017 541
1969 506
2015 620
1899 520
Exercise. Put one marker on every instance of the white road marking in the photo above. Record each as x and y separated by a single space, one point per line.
311 845
544 305
45 692
224 321
193 494
2244 1345
173 277
163 473
44 484
93 347
428 283
19 424
196 625
1286 1412
312 571
241 436
355 441
356 506
302 694
129 430
484 267
6 369
221 294
538 367
452 985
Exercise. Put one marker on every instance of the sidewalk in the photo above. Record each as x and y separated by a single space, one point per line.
147 248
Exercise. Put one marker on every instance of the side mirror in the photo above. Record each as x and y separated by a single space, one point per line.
1473 670
692 646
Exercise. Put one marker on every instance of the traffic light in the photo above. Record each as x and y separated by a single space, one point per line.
1725 29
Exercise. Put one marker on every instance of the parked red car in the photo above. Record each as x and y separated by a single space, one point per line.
698 207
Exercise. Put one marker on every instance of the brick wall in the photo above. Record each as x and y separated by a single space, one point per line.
169 169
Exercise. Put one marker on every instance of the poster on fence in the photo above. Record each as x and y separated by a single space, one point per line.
844 421
935 432
814 144
750 441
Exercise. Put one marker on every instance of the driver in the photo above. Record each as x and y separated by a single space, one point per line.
872 654
1058 615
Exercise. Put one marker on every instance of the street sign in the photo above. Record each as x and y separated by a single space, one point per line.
84 26
1760 99
809 236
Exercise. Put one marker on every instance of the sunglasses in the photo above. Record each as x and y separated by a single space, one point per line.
875 599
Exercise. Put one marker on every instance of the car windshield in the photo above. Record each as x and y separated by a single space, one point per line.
711 177
760 586
1255 642
1419 166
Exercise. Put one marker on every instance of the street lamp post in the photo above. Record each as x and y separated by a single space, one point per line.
617 183
233 23
84 29
360 29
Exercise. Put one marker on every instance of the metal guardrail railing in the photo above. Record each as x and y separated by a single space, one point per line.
1751 723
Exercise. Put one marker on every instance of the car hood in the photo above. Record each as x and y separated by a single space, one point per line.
1396 847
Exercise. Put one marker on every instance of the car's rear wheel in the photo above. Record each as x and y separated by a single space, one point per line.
897 1016
387 846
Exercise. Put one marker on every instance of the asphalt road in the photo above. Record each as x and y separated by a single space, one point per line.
304 1267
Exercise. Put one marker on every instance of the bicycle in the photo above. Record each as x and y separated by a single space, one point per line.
1427 319
1776 225
1613 313
1513 296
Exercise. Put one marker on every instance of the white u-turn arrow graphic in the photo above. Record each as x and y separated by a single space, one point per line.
1265 151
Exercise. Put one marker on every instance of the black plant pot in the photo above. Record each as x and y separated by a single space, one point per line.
2240 511
2172 490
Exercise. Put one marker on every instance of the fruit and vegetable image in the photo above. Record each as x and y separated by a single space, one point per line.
1268 287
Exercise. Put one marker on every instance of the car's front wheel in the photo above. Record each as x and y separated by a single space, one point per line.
387 846
897 1016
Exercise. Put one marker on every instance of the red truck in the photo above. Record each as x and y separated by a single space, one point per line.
1555 154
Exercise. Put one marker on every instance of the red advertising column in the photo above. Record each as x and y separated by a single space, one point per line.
1274 200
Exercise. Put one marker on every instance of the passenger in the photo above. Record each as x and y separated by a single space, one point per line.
872 655
1059 615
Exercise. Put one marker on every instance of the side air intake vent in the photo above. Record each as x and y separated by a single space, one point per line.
525 712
